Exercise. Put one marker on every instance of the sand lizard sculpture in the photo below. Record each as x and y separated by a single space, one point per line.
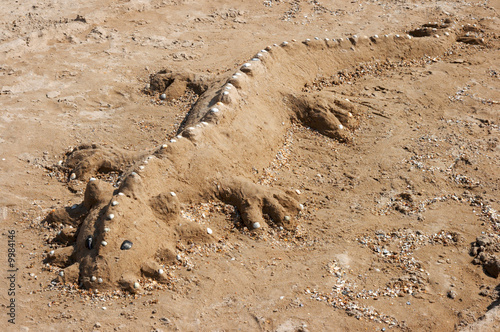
119 235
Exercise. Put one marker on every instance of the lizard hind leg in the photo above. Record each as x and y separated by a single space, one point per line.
331 116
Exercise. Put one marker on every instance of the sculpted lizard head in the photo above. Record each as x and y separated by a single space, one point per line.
123 236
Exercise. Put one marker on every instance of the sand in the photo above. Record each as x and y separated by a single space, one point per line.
343 184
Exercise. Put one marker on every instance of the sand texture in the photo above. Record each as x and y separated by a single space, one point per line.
250 165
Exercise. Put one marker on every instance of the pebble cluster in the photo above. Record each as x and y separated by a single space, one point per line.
346 295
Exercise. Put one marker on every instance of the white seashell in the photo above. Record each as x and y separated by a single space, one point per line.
60 162
375 36
106 229
99 280
258 55
298 192
301 206
341 127
284 43
121 194
136 285
355 36
179 136
397 36
93 278
225 93
255 59
141 167
133 173
238 74
172 194
92 179
317 38
111 216
178 257
288 218
256 225
246 65
61 273
51 252
307 40
204 123
349 114
173 140
114 203
160 271
227 87
235 77
190 128
214 110
209 230
326 39
104 243
72 176
263 51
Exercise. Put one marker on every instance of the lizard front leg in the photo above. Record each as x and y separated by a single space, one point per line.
253 201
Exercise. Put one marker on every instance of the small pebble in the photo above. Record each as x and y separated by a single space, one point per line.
61 273
51 252
106 229
93 278
136 285
92 179
288 218
72 176
114 203
298 192
172 194
99 280
209 230
163 96
256 225
104 243
111 216
89 242
121 194
126 245
164 146
160 271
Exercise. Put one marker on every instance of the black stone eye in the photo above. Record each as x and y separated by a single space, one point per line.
89 242
126 245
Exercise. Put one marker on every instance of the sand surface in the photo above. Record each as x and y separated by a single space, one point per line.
384 240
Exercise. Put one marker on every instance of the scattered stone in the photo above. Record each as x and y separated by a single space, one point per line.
126 245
